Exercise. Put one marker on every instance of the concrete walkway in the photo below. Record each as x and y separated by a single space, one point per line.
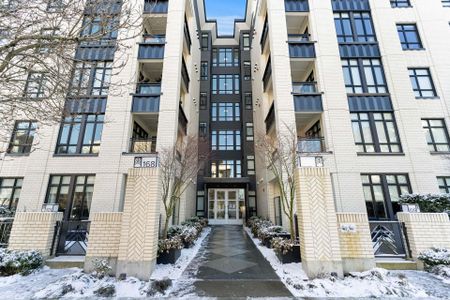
230 266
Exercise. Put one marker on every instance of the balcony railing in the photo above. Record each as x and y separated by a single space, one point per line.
302 88
143 146
311 145
185 75
152 47
300 46
156 6
267 75
148 89
296 5
153 39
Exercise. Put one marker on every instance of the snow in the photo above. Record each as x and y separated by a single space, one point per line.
374 283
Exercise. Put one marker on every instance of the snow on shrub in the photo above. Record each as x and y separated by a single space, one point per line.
165 245
101 268
435 256
19 262
283 246
429 203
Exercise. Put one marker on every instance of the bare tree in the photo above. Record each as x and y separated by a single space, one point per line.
179 167
279 151
38 43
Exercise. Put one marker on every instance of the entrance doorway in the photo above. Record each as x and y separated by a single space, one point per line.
226 206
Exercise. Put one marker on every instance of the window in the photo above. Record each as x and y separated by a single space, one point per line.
436 134
45 43
382 193
203 130
444 184
226 57
204 70
55 5
409 36
354 27
422 83
249 129
10 189
251 165
226 112
246 41
400 3
248 101
80 134
205 41
314 131
226 169
226 140
73 194
364 76
446 3
225 84
35 85
91 78
22 137
375 132
247 70
99 29
203 100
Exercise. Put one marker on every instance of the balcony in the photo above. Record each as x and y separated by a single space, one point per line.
310 145
156 6
296 5
270 119
143 146
300 46
147 98
264 35
187 36
307 97
185 76
152 47
148 89
182 121
304 88
267 75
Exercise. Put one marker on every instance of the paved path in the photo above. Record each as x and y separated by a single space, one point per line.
230 266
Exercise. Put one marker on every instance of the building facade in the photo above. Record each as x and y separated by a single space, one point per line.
362 82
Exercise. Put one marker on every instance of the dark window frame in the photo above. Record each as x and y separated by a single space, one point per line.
30 131
233 79
38 91
419 91
17 186
85 78
221 55
232 138
235 170
204 71
400 3
362 66
444 184
429 129
341 23
218 107
404 32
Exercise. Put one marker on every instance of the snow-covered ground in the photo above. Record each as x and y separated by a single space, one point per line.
373 283
74 283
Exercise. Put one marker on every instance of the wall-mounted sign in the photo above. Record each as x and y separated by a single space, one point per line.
146 162
311 161
50 207
348 228
410 208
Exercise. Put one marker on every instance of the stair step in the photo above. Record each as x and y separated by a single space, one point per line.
397 264
65 262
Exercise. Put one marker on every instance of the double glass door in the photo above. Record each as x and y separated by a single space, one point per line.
226 206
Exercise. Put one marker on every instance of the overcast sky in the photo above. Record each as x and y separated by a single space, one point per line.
225 12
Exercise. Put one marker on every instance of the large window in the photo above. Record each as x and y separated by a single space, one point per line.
10 189
444 184
22 137
382 193
226 169
409 36
375 132
80 134
204 41
246 41
35 85
72 193
225 112
225 84
354 27
364 76
445 3
226 57
91 78
422 83
204 70
400 3
102 29
436 134
224 140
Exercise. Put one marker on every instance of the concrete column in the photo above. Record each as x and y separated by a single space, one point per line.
34 231
317 222
140 222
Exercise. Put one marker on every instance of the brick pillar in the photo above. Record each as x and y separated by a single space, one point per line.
104 240
140 223
317 222
34 231
356 243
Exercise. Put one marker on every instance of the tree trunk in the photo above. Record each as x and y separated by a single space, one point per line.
166 227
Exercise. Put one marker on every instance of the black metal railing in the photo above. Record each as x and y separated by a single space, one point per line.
148 89
267 74
72 238
304 88
185 75
296 5
311 145
5 231
156 6
143 145
387 239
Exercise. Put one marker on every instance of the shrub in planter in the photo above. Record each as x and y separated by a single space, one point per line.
435 256
430 203
189 235
287 251
169 250
267 234
252 220
19 262
175 231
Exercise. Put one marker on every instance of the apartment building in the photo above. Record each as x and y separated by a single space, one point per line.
363 82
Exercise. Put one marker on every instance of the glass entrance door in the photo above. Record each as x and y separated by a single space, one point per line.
225 207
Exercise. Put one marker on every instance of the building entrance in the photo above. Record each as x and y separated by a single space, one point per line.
226 206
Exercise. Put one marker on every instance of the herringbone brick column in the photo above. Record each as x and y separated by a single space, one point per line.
140 223
317 222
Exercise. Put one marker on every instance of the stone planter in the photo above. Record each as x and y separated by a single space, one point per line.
290 257
170 257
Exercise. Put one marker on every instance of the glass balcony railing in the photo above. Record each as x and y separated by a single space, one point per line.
153 39
297 38
148 89
140 145
311 145
304 88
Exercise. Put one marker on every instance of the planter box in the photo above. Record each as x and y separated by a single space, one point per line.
187 245
268 241
290 257
168 258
